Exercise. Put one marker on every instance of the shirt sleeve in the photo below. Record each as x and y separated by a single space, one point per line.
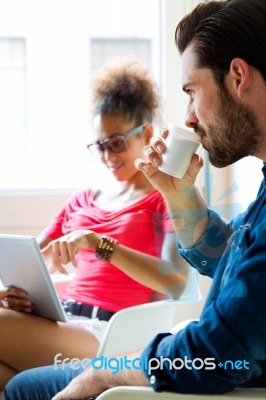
54 229
205 254
226 348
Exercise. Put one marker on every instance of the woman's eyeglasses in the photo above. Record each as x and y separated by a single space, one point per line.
116 143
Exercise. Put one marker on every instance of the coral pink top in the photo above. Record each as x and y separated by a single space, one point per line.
140 226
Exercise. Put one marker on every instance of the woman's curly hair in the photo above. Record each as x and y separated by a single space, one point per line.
125 88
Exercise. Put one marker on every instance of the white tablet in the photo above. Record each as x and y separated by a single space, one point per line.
22 266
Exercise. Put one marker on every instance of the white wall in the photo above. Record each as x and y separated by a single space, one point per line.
27 214
248 176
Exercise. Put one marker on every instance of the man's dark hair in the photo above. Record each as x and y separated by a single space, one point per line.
224 30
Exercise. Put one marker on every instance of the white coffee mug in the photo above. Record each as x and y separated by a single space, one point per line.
181 144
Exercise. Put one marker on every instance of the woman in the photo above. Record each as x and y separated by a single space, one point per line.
114 235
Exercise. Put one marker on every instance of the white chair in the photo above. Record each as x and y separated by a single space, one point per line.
134 327
146 393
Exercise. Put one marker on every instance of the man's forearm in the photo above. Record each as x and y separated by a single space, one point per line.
130 375
189 215
97 379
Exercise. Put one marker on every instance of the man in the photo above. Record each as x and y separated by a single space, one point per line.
223 47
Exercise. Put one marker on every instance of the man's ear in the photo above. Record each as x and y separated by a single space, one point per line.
147 133
239 76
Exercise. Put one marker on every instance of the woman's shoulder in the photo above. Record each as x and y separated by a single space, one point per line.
80 196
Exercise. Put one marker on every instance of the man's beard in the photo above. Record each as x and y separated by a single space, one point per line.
233 135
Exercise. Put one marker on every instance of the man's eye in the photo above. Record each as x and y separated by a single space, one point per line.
191 93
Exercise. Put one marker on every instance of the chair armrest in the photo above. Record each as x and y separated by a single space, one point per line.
147 393
125 329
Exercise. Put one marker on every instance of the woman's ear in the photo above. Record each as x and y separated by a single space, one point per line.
147 133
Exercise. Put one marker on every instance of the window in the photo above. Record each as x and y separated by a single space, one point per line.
12 96
105 50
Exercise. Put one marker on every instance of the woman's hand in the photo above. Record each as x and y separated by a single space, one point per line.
64 249
161 181
15 299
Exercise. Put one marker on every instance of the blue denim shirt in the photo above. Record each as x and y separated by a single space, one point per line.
227 347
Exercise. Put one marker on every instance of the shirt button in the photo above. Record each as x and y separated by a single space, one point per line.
204 262
152 379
